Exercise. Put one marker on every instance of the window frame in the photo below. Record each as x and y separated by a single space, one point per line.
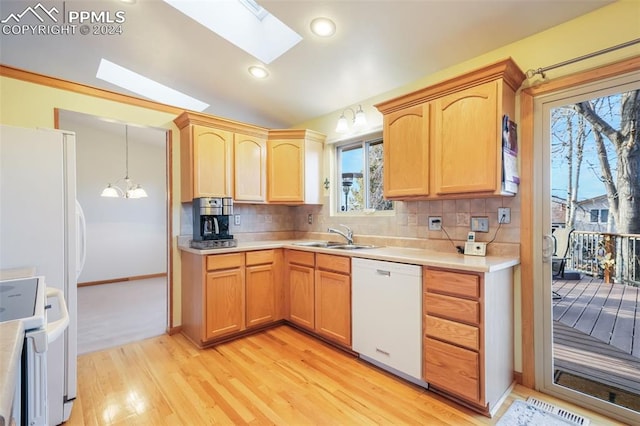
363 142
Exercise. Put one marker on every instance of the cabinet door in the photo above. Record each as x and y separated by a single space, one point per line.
212 162
285 171
333 306
406 152
466 141
261 295
225 295
301 295
250 168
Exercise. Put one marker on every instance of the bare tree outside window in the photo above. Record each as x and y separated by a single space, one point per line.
360 176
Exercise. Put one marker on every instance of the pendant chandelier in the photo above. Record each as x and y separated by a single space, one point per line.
131 190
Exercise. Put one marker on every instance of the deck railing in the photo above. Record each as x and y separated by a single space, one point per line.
589 255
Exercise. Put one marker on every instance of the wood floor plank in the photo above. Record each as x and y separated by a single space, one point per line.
279 376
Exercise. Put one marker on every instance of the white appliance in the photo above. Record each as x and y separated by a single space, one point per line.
26 300
38 229
387 316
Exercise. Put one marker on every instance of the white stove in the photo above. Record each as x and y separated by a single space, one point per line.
25 299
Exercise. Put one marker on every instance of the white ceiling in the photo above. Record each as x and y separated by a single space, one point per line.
378 46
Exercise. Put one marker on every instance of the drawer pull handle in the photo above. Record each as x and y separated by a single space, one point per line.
383 272
383 352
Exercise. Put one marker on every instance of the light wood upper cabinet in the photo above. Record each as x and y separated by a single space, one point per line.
250 155
212 165
294 166
207 161
447 138
406 160
467 157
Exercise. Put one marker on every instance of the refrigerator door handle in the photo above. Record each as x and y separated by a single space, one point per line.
82 225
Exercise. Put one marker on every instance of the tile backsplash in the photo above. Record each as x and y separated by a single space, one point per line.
407 226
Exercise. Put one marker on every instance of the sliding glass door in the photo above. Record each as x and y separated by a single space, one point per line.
588 271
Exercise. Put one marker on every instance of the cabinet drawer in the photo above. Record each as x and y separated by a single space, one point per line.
453 283
260 257
453 332
299 257
452 368
333 263
452 308
224 261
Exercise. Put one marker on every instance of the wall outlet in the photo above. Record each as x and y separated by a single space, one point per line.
310 219
480 224
236 220
504 215
435 223
267 218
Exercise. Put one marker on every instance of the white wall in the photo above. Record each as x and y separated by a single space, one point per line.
125 237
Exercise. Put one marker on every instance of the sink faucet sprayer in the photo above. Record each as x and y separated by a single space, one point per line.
348 235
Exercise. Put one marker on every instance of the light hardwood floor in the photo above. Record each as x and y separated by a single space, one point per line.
279 376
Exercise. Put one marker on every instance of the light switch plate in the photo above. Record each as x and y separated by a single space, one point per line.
480 224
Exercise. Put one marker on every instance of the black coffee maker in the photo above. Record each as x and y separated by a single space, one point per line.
211 218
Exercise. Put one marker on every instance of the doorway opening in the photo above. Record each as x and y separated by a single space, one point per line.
124 288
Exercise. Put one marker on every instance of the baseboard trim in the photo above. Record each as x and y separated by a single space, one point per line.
174 330
517 376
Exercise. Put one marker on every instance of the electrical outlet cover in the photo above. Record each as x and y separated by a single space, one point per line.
504 215
435 223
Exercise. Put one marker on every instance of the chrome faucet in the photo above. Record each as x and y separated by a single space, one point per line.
348 235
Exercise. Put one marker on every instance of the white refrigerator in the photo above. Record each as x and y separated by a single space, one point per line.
39 228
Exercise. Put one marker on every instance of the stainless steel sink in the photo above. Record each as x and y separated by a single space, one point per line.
325 244
353 246
333 245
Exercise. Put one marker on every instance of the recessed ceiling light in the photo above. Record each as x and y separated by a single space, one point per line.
323 27
136 83
258 72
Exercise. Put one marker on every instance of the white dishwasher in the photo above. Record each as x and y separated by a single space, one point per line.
387 316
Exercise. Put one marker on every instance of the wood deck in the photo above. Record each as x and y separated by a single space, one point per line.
607 312
597 332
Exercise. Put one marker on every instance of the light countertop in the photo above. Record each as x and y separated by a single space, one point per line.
414 256
11 340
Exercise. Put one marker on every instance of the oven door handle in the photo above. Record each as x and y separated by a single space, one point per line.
56 328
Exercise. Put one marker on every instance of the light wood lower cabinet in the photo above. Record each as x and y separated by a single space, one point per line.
301 287
468 334
319 289
226 294
333 298
262 288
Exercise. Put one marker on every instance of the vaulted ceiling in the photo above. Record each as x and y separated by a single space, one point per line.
378 46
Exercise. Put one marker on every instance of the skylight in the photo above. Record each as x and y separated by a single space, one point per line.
130 80
243 23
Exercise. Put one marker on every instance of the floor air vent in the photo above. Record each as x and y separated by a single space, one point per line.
560 412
